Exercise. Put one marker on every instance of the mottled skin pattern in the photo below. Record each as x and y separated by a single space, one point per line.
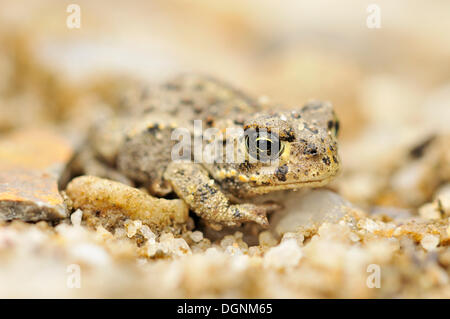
138 145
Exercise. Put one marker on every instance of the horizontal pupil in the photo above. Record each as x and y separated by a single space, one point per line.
261 147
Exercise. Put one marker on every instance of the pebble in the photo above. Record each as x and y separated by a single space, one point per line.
94 194
132 227
285 255
94 255
298 237
311 207
443 199
430 242
196 236
394 213
76 217
429 211
147 233
31 164
169 245
267 239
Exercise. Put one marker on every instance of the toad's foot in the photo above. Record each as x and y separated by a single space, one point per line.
247 213
192 183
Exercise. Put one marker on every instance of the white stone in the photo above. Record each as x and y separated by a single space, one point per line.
91 254
443 197
133 227
314 206
371 226
196 236
233 251
430 242
212 252
147 233
285 255
429 211
76 217
299 238
354 237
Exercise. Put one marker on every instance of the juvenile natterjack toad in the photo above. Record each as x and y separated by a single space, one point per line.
283 150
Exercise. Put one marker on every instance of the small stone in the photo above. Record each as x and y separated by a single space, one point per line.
31 164
180 247
238 235
314 206
360 187
267 239
196 236
147 233
76 217
430 242
103 234
411 181
285 255
233 250
212 252
132 227
429 211
152 248
397 231
443 199
171 246
91 254
94 194
394 213
120 233
228 240
370 225
254 251
299 238
354 237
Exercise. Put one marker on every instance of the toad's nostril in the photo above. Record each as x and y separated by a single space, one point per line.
281 172
310 149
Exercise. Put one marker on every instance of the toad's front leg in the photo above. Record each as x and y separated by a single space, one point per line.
192 183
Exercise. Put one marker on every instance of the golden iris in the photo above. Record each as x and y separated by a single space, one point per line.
263 146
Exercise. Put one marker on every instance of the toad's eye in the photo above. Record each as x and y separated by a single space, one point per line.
333 126
263 146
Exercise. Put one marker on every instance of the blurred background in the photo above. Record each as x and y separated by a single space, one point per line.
389 85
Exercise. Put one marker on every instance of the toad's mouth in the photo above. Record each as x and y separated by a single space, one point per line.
261 189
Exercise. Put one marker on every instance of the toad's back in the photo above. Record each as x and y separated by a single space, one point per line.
191 97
